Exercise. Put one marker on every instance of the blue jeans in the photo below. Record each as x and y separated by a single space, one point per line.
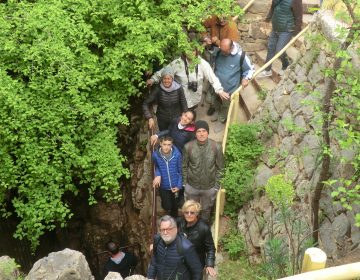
277 41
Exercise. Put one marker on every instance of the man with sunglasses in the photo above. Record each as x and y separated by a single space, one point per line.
174 257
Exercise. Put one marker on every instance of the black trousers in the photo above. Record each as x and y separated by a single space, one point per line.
171 202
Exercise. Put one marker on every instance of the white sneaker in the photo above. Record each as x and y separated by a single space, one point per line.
265 73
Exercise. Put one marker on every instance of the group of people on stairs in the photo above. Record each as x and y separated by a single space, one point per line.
188 164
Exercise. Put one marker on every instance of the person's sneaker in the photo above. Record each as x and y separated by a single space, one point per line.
265 73
210 111
281 72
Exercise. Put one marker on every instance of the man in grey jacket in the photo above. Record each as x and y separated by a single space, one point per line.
203 162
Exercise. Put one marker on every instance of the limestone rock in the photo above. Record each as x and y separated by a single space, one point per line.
136 277
257 31
310 147
63 265
291 168
341 227
113 276
263 175
315 75
296 99
328 243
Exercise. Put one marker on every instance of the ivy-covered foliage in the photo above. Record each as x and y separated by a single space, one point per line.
67 71
243 150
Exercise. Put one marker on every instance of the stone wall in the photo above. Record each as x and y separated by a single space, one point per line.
294 148
253 30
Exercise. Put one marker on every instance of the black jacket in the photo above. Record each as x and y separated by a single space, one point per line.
180 136
200 235
124 267
170 104
168 264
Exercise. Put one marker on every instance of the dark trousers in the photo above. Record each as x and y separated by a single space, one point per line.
163 124
277 41
171 202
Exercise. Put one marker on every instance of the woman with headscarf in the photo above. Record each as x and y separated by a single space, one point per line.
198 232
170 99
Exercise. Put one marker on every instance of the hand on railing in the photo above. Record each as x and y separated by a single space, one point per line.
224 95
153 139
245 82
156 182
151 124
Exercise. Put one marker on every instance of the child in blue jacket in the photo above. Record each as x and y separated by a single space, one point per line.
168 176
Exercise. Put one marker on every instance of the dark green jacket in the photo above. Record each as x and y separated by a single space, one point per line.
202 164
286 15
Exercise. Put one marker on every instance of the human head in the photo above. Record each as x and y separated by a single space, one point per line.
112 248
226 46
188 117
167 77
166 144
202 131
191 210
168 229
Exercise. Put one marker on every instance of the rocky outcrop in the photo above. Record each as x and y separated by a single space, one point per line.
291 113
63 265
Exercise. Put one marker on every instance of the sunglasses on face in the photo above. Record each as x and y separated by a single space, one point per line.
190 213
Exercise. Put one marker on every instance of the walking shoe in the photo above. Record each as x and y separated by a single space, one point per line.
265 73
210 111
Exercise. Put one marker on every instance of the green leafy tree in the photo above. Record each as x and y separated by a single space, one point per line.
68 69
340 114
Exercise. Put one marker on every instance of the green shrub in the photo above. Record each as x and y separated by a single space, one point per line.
242 152
234 244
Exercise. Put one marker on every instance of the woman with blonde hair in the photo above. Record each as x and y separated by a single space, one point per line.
199 233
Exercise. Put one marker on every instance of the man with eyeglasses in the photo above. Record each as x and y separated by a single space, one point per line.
174 257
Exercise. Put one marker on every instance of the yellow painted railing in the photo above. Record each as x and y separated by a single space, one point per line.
232 118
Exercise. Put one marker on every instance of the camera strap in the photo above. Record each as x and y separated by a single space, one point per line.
187 68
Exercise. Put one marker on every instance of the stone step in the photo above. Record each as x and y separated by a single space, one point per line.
250 98
263 83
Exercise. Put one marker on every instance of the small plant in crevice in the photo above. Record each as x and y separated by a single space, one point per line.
284 250
242 153
234 244
9 270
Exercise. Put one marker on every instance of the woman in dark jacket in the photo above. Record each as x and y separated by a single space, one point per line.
199 233
170 98
181 130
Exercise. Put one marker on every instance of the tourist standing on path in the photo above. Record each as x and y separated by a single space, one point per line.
170 98
191 80
168 176
199 233
286 18
174 257
233 68
119 261
181 130
203 163
219 28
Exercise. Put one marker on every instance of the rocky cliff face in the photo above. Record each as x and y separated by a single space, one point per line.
294 147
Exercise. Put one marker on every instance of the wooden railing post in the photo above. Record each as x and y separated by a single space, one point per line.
314 259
